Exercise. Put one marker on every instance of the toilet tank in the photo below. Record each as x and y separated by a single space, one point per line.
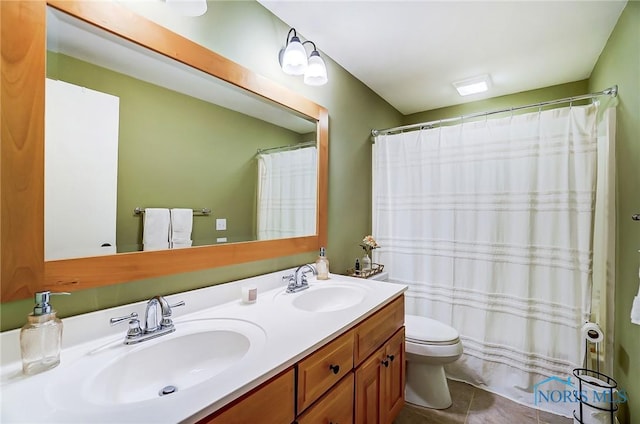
383 276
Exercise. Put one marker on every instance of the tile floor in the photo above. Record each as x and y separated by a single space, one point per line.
475 406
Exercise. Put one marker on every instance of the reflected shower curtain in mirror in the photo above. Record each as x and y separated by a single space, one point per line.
490 224
287 187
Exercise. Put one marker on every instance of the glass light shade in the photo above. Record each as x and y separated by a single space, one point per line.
294 59
188 7
316 73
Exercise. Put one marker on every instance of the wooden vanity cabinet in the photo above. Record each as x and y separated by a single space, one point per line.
377 388
357 377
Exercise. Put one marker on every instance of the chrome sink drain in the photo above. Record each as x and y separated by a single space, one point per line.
167 390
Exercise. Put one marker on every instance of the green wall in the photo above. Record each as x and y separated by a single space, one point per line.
248 34
179 151
619 64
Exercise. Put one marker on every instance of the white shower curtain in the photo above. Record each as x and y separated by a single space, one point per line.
287 192
490 223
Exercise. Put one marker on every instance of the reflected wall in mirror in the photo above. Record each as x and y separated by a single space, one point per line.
24 270
127 128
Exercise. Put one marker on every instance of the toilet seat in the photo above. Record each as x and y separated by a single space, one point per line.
423 330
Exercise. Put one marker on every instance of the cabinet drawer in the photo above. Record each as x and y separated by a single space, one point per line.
373 332
323 368
270 403
334 407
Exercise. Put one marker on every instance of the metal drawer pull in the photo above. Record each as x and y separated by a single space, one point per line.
385 363
335 368
391 357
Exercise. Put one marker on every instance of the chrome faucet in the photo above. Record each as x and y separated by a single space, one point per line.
298 280
157 321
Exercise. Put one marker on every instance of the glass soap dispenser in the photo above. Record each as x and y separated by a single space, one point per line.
40 337
322 265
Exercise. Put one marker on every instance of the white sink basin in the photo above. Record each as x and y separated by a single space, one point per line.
197 351
329 298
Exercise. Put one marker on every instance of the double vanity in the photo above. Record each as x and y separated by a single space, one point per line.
334 351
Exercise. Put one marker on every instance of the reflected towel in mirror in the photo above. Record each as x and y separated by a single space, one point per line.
155 235
181 226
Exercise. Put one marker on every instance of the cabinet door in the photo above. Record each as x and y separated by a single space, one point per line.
324 368
368 389
271 403
393 377
335 407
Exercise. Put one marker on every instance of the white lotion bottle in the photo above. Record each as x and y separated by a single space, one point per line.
322 265
40 337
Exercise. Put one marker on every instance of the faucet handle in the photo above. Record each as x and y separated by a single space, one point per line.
166 313
291 281
118 320
181 303
134 325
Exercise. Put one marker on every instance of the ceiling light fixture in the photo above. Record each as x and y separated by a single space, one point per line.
473 85
188 7
294 60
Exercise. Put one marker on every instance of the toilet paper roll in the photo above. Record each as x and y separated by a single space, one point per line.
592 332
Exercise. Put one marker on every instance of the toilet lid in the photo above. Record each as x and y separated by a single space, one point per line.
423 329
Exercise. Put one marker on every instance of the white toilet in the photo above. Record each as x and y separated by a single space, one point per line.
429 345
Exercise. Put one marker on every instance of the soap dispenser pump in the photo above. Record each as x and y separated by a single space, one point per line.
40 337
322 265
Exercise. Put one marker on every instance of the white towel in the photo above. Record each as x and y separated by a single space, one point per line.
181 226
155 235
635 307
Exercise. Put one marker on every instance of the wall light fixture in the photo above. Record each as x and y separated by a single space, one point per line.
294 60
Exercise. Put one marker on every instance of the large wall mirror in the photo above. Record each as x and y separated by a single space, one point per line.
127 129
138 117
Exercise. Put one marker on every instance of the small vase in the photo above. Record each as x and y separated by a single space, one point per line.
365 262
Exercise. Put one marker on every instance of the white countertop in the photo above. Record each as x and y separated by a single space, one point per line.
290 335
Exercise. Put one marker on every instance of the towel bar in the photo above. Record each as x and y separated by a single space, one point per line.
202 211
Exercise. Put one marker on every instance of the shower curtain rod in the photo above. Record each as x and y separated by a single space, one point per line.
288 147
611 91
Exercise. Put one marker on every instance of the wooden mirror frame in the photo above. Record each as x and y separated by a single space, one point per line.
23 268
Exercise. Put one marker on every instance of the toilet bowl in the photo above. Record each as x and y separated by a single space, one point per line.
429 345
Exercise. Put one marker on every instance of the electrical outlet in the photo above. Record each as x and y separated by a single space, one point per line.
221 240
221 224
